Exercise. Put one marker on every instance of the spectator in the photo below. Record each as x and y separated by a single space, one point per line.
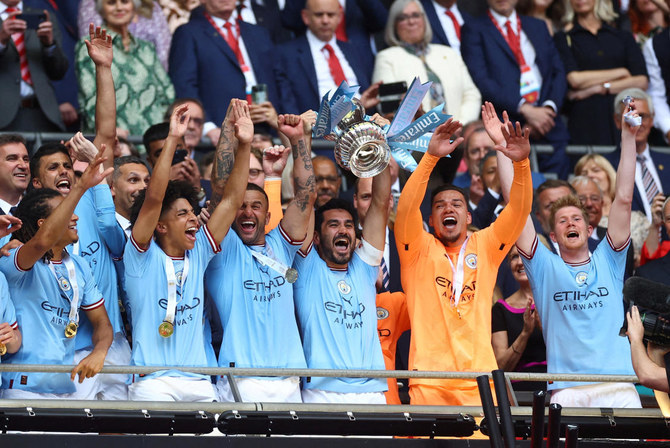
476 147
446 19
124 147
165 333
29 59
551 11
328 179
335 298
504 51
360 19
450 325
42 275
259 323
600 170
266 14
411 55
148 24
143 89
177 12
516 331
579 290
657 59
319 61
648 18
600 61
651 176
196 122
14 171
213 46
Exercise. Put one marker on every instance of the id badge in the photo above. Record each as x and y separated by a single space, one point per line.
530 85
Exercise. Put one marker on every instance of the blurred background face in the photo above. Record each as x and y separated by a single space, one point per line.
595 172
195 124
516 266
327 179
410 25
256 173
478 145
583 6
592 200
117 13
502 7
322 18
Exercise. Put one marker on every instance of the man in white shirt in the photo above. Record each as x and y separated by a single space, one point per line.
446 20
656 53
14 171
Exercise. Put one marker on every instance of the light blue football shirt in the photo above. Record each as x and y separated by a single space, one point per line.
42 306
7 312
581 309
101 240
337 315
146 288
255 304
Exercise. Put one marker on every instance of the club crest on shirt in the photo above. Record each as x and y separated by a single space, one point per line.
382 313
64 284
471 261
343 287
581 277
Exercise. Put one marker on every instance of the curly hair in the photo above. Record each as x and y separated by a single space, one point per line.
176 189
33 207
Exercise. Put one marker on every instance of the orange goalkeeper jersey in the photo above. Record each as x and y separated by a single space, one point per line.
392 322
446 337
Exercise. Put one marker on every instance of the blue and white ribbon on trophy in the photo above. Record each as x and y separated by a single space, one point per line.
403 135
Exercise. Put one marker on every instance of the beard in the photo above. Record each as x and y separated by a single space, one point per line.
328 254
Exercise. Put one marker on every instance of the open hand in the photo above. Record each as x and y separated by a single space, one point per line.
94 174
517 143
244 127
440 143
179 121
99 46
492 124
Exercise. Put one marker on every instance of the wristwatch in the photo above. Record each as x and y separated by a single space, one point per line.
607 87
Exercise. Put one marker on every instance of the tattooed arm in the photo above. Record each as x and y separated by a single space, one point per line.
301 207
223 158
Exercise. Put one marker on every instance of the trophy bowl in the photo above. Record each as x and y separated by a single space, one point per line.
363 150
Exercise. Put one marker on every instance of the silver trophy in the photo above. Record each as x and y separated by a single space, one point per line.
360 145
628 116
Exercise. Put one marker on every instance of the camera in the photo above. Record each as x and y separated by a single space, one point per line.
653 301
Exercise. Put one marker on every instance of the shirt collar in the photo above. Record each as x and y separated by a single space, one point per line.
4 7
501 20
439 9
315 42
6 206
123 221
646 153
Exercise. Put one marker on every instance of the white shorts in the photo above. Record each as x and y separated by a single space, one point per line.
105 386
324 396
169 388
18 394
255 390
601 395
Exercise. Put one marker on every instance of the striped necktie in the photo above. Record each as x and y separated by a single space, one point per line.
386 278
650 187
19 43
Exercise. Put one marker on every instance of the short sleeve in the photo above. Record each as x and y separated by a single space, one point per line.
498 318
7 311
136 259
10 268
91 296
561 40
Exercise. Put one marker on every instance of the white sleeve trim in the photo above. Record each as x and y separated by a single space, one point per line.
369 254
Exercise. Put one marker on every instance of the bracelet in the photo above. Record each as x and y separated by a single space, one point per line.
514 350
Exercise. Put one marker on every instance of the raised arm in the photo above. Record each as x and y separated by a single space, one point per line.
100 51
223 158
236 185
144 226
299 209
53 227
619 228
409 222
506 169
374 228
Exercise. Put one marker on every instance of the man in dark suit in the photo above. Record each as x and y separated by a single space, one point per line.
651 163
389 273
446 19
657 270
29 59
215 57
361 19
504 51
317 62
265 13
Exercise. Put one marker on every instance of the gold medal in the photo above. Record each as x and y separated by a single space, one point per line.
291 275
3 349
70 330
165 329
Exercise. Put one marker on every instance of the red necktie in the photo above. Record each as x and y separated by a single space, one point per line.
19 43
334 64
514 42
341 31
457 26
234 44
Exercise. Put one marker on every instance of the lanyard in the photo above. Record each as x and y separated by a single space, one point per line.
172 286
289 273
458 273
73 315
513 42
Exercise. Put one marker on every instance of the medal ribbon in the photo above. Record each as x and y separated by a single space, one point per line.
73 315
273 264
458 273
172 286
514 42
